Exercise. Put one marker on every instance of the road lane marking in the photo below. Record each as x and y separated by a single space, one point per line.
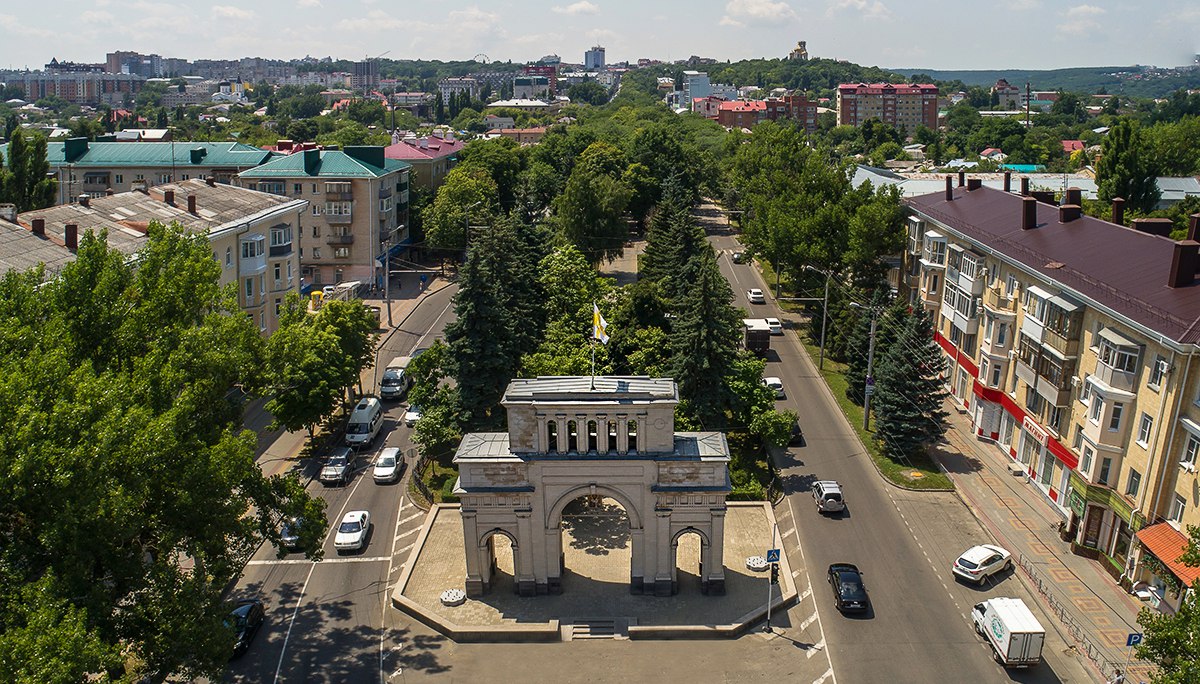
816 648
421 342
808 621
414 516
808 579
402 535
327 561
822 678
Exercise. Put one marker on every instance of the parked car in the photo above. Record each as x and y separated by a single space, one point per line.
339 469
756 296
777 385
395 381
849 592
978 563
245 620
289 533
412 414
797 433
389 467
739 257
828 496
774 325
352 533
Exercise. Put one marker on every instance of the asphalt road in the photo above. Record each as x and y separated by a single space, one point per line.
326 620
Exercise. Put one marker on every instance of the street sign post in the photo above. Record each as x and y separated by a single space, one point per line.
772 555
1133 639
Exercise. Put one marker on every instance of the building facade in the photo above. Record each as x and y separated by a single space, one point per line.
906 106
1073 345
593 60
1007 96
454 86
358 216
253 235
77 87
746 113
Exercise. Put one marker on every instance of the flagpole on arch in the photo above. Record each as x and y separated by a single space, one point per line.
598 334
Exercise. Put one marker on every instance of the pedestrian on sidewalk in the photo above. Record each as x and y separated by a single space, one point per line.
1118 678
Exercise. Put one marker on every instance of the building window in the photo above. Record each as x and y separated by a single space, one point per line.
1085 394
1114 421
249 290
341 252
1135 481
316 252
1190 448
1054 418
278 306
1096 410
1177 508
164 178
297 188
1157 370
316 210
185 177
1145 427
119 178
138 177
252 249
281 236
278 273
338 208
996 372
1105 467
289 271
1078 440
1001 334
1123 359
228 257
1088 454
275 187
316 231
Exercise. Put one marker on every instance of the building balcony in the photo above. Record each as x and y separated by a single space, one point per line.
992 299
339 196
1063 345
1116 379
385 193
347 239
280 250
1100 434
252 265
339 219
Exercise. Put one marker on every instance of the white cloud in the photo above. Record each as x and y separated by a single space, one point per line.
760 12
1081 19
12 25
231 12
96 17
310 3
576 8
1024 4
868 9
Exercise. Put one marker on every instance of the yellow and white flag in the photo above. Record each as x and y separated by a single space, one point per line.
599 325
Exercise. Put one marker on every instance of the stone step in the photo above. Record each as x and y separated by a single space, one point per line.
598 628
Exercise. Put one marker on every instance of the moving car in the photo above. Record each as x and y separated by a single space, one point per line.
352 533
412 414
755 296
365 422
245 620
777 385
849 593
739 257
1012 630
395 381
289 533
774 325
828 495
978 563
389 466
340 466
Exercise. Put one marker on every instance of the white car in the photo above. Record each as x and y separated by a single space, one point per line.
412 414
774 325
755 296
352 533
777 385
389 466
978 563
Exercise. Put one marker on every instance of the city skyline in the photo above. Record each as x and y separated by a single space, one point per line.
1028 34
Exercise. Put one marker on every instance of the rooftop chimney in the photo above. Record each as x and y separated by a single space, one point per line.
962 178
169 197
1183 263
1028 213
1154 226
108 192
1118 212
1024 186
211 180
1193 226
8 212
139 186
1073 196
1069 212
39 226
949 188
71 236
85 200
1008 181
191 204
974 184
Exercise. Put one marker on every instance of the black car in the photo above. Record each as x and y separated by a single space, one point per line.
849 593
245 620
739 257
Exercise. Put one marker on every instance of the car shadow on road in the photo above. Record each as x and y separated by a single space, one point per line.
955 462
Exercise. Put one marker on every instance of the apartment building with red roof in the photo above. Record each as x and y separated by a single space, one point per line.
903 105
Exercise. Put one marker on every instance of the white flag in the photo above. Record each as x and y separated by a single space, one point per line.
599 325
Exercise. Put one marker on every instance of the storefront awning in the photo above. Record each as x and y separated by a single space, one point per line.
1167 544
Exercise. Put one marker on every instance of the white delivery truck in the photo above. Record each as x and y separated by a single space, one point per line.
1014 633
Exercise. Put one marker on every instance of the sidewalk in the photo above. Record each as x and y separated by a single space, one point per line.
1089 605
283 454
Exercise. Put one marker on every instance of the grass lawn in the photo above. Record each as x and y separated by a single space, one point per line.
439 478
923 473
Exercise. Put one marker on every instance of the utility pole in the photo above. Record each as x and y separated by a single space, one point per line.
824 319
870 388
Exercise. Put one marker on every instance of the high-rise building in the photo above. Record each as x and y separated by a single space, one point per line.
906 106
593 60
365 75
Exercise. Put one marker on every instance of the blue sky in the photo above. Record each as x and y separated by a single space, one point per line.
936 34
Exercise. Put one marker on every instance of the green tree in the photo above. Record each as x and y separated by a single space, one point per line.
1125 170
909 391
592 206
704 342
469 195
1172 641
774 427
136 499
890 321
25 179
503 160
588 92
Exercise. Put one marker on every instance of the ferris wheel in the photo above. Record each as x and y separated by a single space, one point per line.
481 58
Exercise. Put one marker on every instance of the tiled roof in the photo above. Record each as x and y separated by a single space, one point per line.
880 88
437 148
21 250
743 106
1117 267
574 386
333 164
1072 145
1167 544
142 154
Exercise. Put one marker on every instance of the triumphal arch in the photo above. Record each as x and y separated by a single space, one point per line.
612 437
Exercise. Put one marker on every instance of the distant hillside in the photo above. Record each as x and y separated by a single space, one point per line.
1134 81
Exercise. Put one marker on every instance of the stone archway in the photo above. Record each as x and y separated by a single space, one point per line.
518 483
704 552
486 548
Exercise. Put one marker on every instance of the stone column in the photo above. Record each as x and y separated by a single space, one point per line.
561 419
714 565
637 564
552 555
523 575
662 551
543 434
476 582
622 434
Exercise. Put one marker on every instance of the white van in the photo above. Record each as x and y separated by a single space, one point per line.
365 422
395 381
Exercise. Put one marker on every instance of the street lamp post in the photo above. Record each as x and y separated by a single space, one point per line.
824 314
869 389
